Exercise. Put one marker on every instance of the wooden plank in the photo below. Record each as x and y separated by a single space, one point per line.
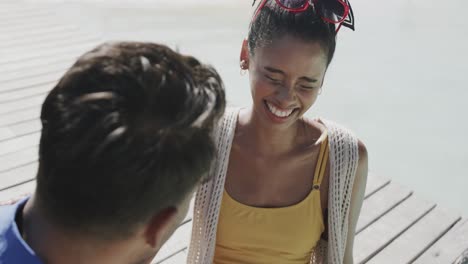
26 92
18 12
6 133
381 233
380 204
22 104
412 243
40 35
24 65
33 18
28 27
19 38
27 127
72 50
8 20
43 38
178 258
17 159
35 72
23 83
448 248
19 143
16 176
54 29
17 191
375 183
33 53
17 117
51 45
176 243
31 23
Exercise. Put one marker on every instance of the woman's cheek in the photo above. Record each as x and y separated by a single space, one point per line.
308 98
262 87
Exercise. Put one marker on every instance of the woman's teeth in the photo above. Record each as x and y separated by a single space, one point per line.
277 112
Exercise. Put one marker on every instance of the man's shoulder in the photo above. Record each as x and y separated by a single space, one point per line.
13 249
7 213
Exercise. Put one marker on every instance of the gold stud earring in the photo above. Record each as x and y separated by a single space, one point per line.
243 66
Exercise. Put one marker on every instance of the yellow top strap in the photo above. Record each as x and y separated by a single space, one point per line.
321 163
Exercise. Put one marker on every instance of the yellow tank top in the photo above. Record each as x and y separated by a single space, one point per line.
284 235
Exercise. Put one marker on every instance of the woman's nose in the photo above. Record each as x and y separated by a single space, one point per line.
286 94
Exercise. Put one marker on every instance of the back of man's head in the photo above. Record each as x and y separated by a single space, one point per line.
126 134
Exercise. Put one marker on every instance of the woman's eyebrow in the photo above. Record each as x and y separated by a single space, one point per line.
274 70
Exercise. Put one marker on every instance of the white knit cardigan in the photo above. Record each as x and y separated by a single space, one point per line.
343 164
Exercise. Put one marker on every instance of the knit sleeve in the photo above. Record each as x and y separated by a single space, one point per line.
209 194
344 157
319 253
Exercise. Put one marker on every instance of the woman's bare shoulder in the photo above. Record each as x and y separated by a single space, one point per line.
314 131
363 155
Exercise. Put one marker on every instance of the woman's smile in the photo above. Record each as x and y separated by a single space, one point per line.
278 114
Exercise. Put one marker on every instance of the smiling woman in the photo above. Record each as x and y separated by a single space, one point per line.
286 77
283 184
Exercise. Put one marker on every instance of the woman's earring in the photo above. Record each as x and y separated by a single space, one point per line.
320 91
243 66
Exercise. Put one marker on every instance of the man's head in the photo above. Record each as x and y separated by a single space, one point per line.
126 139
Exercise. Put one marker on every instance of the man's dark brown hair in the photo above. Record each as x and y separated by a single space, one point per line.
126 133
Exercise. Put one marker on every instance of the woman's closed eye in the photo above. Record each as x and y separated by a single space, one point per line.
273 80
306 87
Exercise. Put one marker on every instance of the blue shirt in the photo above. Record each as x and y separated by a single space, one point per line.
13 249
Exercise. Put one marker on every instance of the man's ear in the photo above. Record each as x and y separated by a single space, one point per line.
244 55
160 227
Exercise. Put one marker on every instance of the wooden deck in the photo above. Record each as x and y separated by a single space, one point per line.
396 225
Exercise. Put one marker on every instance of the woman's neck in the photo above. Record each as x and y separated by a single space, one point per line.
269 141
